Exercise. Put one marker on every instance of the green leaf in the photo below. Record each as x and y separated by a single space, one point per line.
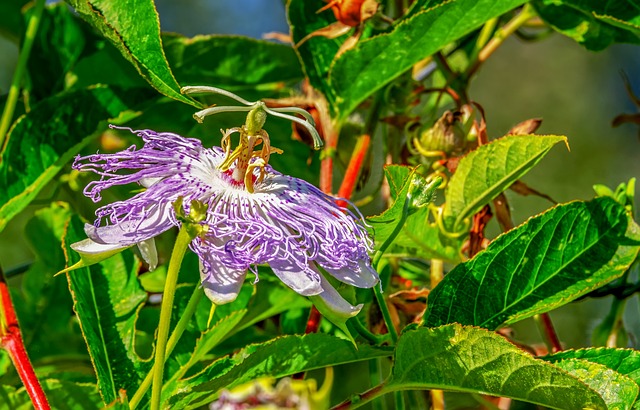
133 26
623 361
61 40
490 169
619 392
280 357
107 298
42 141
418 233
595 24
238 62
469 359
374 62
545 263
317 53
44 306
11 19
62 395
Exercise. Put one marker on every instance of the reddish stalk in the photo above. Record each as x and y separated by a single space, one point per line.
11 341
550 333
354 168
326 164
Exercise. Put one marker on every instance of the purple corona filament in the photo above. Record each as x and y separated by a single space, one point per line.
256 215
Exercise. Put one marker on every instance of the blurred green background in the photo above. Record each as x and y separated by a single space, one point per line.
577 93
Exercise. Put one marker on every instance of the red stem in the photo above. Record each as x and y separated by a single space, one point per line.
550 333
353 169
11 341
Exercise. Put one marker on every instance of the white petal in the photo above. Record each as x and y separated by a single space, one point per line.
364 277
306 283
335 302
89 247
221 284
149 253
135 230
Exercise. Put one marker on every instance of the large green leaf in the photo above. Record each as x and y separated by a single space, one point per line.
107 298
475 360
133 27
42 141
545 263
596 24
374 62
280 357
487 171
236 62
623 361
618 391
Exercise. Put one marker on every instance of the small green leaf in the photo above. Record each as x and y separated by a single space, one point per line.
418 233
133 26
374 62
623 361
618 392
11 19
545 263
489 170
107 298
469 359
280 357
595 24
42 141
238 62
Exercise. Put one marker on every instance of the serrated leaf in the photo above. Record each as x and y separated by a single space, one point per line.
42 141
107 298
618 392
374 62
469 359
490 169
230 68
280 357
623 361
595 24
544 263
133 26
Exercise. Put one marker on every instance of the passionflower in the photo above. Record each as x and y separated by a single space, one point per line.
255 215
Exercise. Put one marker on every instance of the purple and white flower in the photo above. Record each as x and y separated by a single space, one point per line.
255 216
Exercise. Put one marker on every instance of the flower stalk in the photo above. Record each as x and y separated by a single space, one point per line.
11 340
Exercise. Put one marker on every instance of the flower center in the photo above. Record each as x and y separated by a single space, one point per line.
245 156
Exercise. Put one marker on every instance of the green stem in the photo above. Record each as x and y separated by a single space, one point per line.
14 91
179 249
181 326
500 36
366 333
386 315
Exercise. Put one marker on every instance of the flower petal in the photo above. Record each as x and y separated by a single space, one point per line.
149 253
305 282
331 304
363 277
134 230
221 284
